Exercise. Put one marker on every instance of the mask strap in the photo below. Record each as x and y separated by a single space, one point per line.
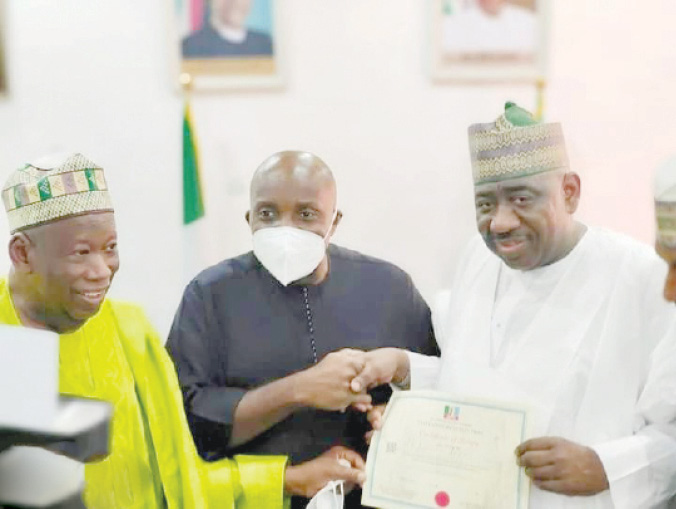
335 215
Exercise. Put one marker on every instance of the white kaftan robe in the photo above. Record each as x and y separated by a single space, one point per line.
588 342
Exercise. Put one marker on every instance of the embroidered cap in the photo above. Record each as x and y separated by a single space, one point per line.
515 145
665 203
53 188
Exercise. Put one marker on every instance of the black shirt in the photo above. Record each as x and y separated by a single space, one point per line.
238 328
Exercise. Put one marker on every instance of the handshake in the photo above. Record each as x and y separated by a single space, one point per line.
341 380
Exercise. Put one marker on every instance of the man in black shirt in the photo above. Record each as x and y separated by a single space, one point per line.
266 343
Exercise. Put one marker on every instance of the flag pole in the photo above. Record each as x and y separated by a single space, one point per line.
540 86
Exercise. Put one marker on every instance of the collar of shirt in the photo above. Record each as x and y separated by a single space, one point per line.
233 35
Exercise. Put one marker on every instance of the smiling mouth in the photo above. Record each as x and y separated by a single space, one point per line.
93 296
509 245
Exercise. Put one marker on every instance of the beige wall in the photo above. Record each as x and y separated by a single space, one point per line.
93 75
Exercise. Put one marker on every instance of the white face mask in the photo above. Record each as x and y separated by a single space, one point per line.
288 253
329 497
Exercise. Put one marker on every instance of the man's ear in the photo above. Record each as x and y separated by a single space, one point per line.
19 252
336 222
247 217
572 187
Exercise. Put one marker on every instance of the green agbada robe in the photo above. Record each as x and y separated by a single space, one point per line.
117 356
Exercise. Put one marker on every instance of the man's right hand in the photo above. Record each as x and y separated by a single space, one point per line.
375 418
306 479
327 384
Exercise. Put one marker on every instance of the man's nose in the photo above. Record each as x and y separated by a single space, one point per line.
670 285
504 220
98 268
285 221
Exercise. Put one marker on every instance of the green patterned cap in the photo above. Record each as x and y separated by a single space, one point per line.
514 146
54 188
665 203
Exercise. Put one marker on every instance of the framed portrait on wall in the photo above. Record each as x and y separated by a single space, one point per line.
228 43
488 40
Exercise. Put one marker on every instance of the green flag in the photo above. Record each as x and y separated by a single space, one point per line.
193 204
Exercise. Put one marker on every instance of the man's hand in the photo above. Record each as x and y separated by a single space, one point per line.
559 465
308 478
375 418
327 384
382 366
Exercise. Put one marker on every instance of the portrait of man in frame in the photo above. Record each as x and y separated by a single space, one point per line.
489 40
232 42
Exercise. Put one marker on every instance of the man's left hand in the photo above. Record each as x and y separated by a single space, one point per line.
559 465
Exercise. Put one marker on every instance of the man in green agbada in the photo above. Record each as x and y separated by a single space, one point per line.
63 251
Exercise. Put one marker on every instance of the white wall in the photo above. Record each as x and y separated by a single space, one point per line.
93 75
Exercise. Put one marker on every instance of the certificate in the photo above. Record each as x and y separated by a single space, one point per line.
437 450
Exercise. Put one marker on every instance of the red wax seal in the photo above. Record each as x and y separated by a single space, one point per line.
442 499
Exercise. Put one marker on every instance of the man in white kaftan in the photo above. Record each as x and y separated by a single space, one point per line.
566 318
